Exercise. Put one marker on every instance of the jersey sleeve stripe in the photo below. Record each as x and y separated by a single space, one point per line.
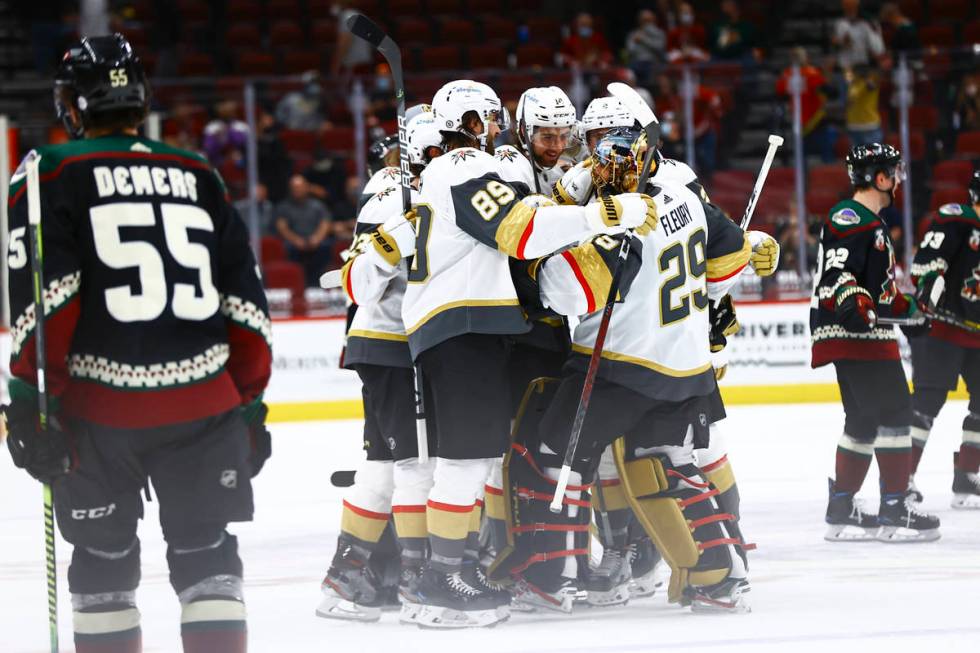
727 266
589 295
345 275
524 237
515 230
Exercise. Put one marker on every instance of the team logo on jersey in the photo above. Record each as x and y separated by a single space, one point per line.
975 240
229 479
951 209
459 156
391 443
381 194
506 155
390 173
880 242
846 217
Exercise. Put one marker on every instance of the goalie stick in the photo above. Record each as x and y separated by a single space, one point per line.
37 284
774 143
366 29
645 116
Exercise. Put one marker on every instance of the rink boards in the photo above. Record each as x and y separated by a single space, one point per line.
768 362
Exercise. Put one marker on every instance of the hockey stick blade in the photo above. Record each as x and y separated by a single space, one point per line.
342 478
330 279
631 99
363 27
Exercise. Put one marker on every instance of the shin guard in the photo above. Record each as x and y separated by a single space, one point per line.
103 596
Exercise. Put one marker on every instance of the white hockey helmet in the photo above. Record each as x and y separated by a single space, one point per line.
455 99
543 106
421 133
606 112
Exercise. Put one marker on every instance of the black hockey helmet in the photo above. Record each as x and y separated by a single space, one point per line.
864 162
974 188
382 153
102 79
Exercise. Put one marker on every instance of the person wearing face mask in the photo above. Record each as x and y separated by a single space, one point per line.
686 41
586 46
966 116
646 47
302 109
350 52
854 283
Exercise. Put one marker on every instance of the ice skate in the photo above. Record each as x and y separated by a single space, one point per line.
914 491
528 597
408 593
350 589
609 583
727 597
474 577
848 522
966 490
447 601
645 569
902 521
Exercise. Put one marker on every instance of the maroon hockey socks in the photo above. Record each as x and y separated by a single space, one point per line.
108 631
893 452
214 625
853 460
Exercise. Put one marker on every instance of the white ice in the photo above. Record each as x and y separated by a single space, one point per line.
807 594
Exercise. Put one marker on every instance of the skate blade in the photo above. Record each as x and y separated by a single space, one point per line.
965 502
561 601
409 613
619 595
439 618
647 585
334 607
900 535
710 606
850 533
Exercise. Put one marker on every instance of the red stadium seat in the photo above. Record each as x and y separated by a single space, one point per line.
244 11
285 274
442 57
402 7
338 139
952 174
971 32
413 30
456 31
283 10
323 32
831 177
943 196
733 181
193 11
273 249
496 28
819 202
952 11
297 140
285 33
917 143
535 55
939 36
242 35
924 118
914 9
255 63
195 64
968 144
299 61
781 178
486 56
483 6
443 6
544 29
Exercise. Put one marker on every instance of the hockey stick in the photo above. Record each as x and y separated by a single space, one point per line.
932 311
644 114
37 283
364 28
774 143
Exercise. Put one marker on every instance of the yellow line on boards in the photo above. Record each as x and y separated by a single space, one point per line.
802 393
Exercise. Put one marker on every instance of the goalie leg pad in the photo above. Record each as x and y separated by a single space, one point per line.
678 511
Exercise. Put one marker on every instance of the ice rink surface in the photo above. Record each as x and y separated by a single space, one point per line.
807 594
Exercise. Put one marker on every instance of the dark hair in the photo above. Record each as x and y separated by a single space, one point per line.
117 120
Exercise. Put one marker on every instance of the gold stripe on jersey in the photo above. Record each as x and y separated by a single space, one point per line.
345 278
593 270
722 267
650 365
376 335
510 234
561 196
460 304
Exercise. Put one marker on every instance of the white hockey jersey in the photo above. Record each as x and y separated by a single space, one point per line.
382 179
376 335
657 342
471 221
514 166
575 185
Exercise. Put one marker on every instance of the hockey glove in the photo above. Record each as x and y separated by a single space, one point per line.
929 292
905 306
724 322
259 437
765 253
45 453
971 288
629 210
395 239
575 185
855 309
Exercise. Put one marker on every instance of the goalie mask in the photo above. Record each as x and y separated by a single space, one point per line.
602 115
617 161
546 124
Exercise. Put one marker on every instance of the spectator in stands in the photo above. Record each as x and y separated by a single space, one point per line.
708 111
48 31
732 38
818 134
901 34
669 112
856 39
304 223
669 11
966 115
225 136
265 208
275 165
350 52
303 109
586 46
685 43
646 47
327 177
862 116
383 105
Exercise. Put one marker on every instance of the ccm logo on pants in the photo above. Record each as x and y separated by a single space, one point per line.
93 513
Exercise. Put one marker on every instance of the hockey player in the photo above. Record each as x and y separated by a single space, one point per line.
383 170
459 308
950 250
653 386
854 283
391 480
157 342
